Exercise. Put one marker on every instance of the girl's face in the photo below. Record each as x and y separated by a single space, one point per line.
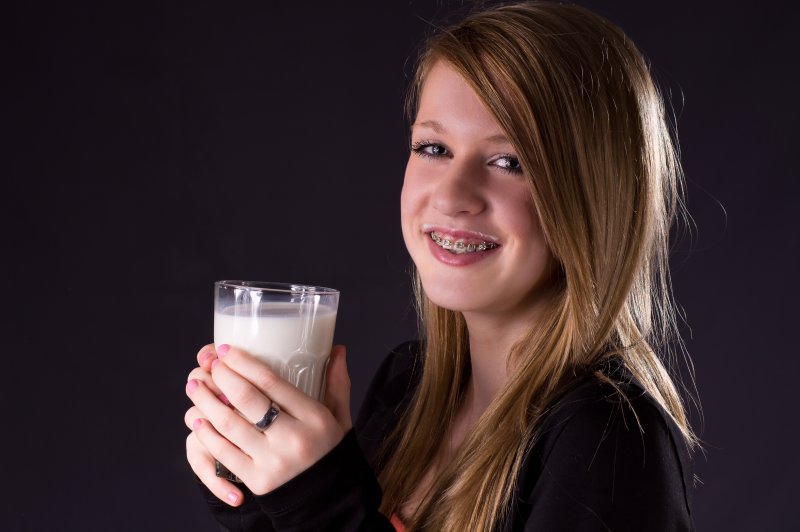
467 214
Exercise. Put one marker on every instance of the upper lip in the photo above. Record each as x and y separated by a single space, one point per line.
460 234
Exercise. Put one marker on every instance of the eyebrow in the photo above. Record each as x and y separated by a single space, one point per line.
438 128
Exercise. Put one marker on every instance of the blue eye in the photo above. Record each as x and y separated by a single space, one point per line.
427 148
508 163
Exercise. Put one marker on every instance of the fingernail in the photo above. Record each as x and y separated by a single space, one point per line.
205 356
223 349
197 423
191 386
232 497
213 364
224 399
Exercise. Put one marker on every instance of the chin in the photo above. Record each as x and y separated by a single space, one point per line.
455 298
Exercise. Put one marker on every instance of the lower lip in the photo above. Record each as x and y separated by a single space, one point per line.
451 259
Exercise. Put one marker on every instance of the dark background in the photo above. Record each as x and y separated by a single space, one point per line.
149 151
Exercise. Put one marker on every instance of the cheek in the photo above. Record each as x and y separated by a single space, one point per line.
409 207
521 219
538 252
412 196
515 212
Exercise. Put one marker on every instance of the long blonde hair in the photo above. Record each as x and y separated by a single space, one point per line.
575 97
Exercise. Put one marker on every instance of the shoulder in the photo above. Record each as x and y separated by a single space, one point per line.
388 395
400 362
395 377
610 455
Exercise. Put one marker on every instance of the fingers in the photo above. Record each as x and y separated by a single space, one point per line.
226 421
202 375
266 381
337 394
206 356
303 431
248 399
202 463
192 415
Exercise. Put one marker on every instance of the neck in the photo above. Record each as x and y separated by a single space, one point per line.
489 350
491 338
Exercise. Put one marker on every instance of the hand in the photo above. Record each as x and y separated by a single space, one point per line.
200 460
205 358
304 431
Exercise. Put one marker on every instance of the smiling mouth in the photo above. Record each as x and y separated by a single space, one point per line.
460 246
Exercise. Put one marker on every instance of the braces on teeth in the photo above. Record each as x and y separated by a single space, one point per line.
458 247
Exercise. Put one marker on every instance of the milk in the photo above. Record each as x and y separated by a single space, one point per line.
294 339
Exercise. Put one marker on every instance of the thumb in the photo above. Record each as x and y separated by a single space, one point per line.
337 394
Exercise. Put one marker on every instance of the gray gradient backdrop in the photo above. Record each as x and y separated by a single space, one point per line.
149 151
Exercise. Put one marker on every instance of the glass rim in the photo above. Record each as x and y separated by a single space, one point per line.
283 288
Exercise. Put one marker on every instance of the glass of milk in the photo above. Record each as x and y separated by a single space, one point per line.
288 326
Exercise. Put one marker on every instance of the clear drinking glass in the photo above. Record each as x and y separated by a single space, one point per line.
287 326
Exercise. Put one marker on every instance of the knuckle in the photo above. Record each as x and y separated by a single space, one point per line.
302 449
189 417
194 454
205 348
239 397
294 443
225 423
234 355
225 455
319 418
268 379
194 464
262 483
315 421
199 374
214 447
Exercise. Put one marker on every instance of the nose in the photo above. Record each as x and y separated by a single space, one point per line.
458 191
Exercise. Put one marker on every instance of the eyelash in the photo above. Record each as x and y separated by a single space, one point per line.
419 148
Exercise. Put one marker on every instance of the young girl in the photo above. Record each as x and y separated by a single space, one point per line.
536 206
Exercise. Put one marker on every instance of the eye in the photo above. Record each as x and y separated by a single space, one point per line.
427 148
507 163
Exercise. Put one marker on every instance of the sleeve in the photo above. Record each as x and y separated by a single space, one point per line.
612 466
245 517
338 493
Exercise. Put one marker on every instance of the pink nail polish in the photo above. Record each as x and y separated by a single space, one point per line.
191 386
224 399
223 349
232 497
197 423
205 356
213 364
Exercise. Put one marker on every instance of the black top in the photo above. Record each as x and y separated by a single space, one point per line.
600 464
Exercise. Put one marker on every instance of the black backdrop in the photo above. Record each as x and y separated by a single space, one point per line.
152 150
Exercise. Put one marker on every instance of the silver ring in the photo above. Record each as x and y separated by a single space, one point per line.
269 417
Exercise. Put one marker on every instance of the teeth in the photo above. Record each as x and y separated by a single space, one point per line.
460 247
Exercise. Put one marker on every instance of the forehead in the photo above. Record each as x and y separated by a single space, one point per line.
446 98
